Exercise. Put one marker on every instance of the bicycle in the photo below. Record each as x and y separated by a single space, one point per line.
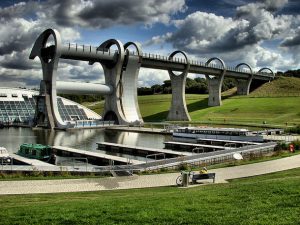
179 179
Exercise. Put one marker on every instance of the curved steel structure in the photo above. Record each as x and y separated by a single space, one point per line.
178 110
243 86
129 82
112 72
215 84
65 87
266 68
121 75
47 106
137 46
121 69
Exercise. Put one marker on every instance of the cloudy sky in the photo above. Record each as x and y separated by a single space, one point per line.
260 33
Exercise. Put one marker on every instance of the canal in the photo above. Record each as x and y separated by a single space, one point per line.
11 138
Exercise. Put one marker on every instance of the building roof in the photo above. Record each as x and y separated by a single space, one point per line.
17 104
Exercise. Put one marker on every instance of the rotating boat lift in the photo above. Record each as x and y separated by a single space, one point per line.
121 69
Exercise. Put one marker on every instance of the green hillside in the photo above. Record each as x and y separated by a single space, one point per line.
274 103
283 86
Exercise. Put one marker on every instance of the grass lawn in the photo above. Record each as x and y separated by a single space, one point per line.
275 103
239 110
267 199
273 110
235 110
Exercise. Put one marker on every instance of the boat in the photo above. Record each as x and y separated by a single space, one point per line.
35 151
4 156
233 134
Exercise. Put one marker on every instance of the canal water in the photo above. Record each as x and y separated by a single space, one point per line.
86 139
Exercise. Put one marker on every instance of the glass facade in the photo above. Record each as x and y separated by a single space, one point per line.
17 111
70 112
17 106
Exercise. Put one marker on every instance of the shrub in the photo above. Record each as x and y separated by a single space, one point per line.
296 144
36 172
2 175
295 130
184 166
281 146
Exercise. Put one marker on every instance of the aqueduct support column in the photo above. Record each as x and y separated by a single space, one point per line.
243 86
122 105
215 84
178 110
47 114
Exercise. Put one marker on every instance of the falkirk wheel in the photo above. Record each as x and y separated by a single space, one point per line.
121 69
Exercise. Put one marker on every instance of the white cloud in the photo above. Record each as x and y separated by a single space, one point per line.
22 23
240 38
149 77
103 14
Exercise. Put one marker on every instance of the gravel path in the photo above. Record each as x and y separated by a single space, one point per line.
111 183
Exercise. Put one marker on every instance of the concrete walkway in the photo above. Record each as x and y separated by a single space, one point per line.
111 183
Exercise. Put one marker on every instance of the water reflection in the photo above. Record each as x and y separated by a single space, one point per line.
11 138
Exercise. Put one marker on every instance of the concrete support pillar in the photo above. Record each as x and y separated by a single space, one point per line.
178 110
122 105
243 86
46 108
215 84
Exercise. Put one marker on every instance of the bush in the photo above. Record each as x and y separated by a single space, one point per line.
2 175
184 166
296 144
295 130
281 146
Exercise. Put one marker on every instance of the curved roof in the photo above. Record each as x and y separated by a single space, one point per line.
18 103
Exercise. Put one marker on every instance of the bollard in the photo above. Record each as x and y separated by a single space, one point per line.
185 179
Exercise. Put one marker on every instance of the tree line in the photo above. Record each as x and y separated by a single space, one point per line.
82 98
289 73
193 86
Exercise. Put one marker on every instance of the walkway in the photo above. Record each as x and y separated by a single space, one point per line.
33 162
129 149
139 129
96 155
97 184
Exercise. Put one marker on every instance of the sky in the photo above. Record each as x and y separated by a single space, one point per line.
262 33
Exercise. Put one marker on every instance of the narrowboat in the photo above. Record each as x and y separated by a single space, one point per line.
35 151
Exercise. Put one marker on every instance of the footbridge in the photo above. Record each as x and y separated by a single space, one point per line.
121 69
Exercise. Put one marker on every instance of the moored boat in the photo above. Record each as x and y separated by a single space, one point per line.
4 156
233 134
35 151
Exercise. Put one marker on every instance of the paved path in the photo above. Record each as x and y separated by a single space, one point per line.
97 184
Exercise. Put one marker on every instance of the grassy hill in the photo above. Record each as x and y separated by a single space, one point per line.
283 86
274 103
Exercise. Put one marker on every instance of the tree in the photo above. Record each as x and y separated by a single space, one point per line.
156 89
